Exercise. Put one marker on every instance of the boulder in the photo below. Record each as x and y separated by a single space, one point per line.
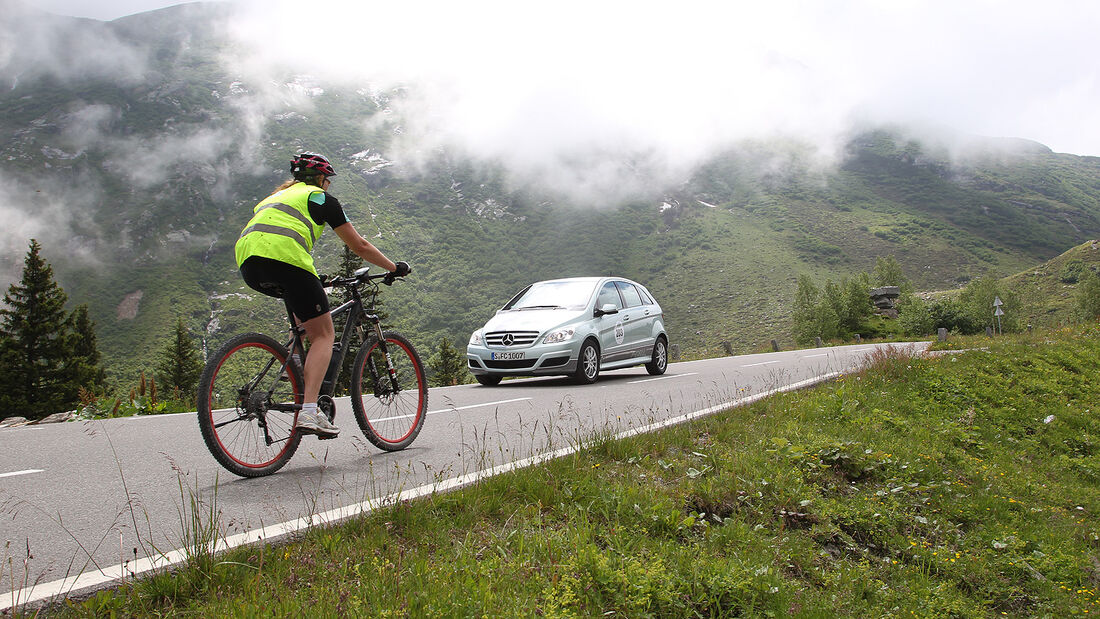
56 418
11 422
885 300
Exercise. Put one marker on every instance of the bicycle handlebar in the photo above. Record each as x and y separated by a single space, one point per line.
360 277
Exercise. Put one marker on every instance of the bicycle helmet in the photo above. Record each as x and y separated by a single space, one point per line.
310 164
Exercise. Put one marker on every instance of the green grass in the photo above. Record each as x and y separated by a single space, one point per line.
956 486
1048 299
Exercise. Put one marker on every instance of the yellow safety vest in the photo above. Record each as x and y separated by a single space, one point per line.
282 229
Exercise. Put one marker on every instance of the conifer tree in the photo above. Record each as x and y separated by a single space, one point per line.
448 365
84 369
33 328
179 367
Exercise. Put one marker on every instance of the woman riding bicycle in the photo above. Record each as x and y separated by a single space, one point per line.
274 256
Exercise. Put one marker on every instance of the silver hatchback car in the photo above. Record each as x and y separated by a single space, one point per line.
571 327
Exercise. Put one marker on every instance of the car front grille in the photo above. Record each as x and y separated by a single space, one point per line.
516 364
519 338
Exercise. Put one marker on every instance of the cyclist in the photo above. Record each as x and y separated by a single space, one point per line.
273 254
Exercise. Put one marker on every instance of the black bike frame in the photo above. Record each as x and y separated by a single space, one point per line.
356 313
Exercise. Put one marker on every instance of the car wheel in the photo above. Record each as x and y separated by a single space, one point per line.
659 363
487 380
588 364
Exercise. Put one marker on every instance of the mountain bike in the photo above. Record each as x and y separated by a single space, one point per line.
250 391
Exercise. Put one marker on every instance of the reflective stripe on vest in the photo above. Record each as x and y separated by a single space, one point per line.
295 213
281 229
268 228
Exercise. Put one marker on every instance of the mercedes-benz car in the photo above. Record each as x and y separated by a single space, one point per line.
575 327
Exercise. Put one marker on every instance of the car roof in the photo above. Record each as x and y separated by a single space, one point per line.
582 279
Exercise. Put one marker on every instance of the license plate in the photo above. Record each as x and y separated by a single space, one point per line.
505 356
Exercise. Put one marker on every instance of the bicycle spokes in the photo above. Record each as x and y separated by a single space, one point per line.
391 397
251 408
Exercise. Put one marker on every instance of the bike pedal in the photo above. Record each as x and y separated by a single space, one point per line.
325 437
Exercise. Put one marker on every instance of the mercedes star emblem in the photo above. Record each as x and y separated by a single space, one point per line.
507 339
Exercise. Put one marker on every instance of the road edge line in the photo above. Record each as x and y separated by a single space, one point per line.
68 585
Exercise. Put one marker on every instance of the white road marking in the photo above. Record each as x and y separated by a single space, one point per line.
647 380
824 354
462 408
26 472
453 410
761 363
66 586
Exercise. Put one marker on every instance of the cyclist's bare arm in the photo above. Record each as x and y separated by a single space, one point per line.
362 247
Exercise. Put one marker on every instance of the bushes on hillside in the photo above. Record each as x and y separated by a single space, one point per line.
842 310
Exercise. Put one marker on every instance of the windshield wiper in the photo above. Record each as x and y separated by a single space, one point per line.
528 307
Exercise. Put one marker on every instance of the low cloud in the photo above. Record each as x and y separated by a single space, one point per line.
33 43
551 88
52 215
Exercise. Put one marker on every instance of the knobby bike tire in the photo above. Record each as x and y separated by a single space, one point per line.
230 415
390 420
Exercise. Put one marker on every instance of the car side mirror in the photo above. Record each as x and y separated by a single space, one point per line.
608 308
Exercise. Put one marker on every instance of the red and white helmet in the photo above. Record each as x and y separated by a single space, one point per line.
310 164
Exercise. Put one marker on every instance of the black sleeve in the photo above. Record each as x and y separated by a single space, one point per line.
331 212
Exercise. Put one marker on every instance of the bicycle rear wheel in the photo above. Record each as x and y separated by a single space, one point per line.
389 412
243 405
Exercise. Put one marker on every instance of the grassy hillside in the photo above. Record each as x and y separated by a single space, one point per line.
1048 292
961 485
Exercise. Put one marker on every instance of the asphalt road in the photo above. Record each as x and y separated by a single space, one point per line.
96 499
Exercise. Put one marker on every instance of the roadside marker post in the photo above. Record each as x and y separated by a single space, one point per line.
998 312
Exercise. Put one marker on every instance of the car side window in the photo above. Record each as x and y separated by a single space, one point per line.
648 300
630 294
608 294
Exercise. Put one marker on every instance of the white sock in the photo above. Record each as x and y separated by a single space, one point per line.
310 409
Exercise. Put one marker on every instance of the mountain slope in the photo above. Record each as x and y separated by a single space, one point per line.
138 178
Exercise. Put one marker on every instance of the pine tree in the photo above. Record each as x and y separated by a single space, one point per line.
447 365
179 367
84 369
33 330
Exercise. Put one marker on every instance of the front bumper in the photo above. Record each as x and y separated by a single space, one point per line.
542 359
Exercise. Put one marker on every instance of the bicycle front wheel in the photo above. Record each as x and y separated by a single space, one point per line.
245 403
390 408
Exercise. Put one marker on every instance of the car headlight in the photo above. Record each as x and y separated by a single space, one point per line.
475 338
561 335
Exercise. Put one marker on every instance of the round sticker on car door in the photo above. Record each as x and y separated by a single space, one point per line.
620 332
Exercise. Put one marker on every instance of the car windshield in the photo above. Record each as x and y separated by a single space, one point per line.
553 295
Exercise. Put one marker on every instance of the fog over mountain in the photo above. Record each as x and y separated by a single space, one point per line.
737 141
537 85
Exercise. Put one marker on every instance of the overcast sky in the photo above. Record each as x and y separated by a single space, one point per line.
682 76
100 9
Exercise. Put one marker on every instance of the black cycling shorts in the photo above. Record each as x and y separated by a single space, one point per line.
301 289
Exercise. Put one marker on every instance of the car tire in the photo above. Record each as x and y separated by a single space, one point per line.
487 380
588 364
659 363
